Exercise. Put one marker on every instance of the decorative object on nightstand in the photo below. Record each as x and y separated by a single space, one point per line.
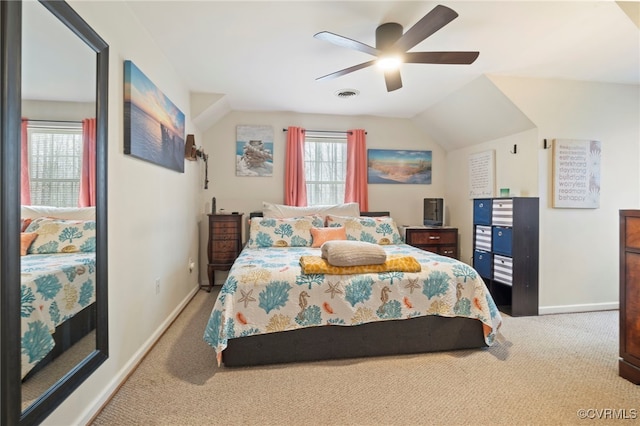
505 251
225 243
629 363
440 240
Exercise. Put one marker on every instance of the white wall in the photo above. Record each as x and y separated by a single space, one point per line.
246 194
578 247
518 172
152 213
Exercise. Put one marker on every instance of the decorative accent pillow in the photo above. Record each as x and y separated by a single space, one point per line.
26 238
291 232
322 235
377 230
62 236
24 223
281 211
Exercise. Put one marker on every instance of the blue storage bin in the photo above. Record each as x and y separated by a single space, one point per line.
482 263
501 240
482 211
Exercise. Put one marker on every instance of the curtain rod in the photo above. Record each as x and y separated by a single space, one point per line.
326 131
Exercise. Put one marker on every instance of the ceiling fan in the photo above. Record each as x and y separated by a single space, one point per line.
392 47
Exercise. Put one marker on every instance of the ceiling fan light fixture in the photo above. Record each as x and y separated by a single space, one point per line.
387 63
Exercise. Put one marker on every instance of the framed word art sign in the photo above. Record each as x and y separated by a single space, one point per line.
576 173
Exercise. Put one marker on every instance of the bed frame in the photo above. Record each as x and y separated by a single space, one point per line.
68 334
394 337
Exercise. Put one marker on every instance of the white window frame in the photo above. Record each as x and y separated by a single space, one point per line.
327 189
46 185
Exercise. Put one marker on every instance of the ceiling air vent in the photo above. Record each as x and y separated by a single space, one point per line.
347 93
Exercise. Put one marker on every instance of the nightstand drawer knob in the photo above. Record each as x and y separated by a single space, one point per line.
431 237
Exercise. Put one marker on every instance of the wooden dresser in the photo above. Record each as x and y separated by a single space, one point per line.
629 364
438 240
225 243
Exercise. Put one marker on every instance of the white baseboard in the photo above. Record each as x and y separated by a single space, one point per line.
93 409
569 309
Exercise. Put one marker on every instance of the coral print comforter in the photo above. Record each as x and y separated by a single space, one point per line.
266 292
54 287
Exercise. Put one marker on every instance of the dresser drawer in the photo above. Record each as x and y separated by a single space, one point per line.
482 263
503 269
450 251
429 237
502 212
482 211
502 240
483 237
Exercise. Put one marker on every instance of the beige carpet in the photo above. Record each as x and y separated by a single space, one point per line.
549 368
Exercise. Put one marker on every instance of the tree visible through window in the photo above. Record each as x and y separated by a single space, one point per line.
325 165
55 163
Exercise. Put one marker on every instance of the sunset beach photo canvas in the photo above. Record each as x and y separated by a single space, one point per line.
154 128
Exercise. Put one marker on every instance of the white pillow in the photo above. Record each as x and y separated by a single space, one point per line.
280 211
71 213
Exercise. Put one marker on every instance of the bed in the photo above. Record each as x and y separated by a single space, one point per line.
269 311
58 274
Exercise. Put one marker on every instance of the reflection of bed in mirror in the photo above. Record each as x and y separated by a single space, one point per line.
57 283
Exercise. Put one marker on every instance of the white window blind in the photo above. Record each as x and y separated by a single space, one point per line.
55 163
325 157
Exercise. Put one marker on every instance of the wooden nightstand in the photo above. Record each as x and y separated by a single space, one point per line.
440 240
225 243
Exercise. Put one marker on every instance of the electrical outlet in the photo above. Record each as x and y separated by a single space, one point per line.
157 286
191 265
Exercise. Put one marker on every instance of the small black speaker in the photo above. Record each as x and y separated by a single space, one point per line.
433 213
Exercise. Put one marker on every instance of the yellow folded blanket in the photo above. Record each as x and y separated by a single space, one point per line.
394 263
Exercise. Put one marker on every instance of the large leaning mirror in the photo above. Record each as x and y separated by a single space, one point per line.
53 294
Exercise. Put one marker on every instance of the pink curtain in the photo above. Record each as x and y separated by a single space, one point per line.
25 183
87 195
295 185
356 189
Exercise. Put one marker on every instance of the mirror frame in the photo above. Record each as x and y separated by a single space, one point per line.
10 115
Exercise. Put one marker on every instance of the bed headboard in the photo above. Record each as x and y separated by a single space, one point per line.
368 214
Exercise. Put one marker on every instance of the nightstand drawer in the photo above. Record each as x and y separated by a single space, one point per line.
427 236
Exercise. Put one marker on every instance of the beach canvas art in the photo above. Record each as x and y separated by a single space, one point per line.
154 128
398 166
254 150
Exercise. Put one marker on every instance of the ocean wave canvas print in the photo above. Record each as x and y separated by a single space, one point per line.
154 127
398 166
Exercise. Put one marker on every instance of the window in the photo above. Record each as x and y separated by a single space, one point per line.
55 163
325 165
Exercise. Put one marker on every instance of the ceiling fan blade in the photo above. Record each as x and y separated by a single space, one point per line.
393 80
346 42
462 58
429 24
346 70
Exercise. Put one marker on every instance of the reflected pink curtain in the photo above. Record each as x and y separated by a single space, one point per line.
295 185
356 189
25 182
87 195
